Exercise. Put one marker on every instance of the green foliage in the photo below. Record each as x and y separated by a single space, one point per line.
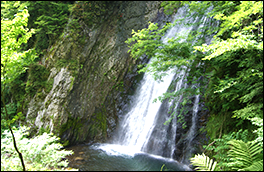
43 130
259 131
28 84
245 156
20 76
203 163
237 80
86 14
242 157
231 67
219 147
10 8
13 61
49 18
149 43
17 67
256 166
170 7
53 19
40 153
238 62
90 12
11 112
17 87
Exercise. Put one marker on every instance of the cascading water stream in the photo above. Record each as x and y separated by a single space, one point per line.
162 141
138 123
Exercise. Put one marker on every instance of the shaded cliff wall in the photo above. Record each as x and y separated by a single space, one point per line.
92 71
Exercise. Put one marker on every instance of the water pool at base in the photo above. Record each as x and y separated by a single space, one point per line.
110 157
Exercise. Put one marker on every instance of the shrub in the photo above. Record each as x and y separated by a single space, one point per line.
40 153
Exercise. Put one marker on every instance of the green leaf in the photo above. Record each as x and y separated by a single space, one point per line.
244 155
203 162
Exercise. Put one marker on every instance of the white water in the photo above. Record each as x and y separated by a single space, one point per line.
192 132
138 123
162 141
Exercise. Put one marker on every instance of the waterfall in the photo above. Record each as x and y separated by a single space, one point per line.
138 123
162 141
142 129
136 127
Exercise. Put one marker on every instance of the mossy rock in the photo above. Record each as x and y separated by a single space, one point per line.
37 78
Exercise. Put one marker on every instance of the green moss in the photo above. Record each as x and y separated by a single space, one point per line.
65 143
98 124
47 103
52 118
61 63
40 95
72 82
37 79
82 40
72 123
49 85
96 127
56 127
119 86
72 65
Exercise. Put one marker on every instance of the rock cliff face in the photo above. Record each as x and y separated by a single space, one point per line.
92 73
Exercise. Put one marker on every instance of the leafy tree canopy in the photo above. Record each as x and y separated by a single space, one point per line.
13 34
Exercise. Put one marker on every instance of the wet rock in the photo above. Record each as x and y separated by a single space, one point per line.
78 159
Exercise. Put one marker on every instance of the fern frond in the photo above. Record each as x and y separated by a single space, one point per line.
243 155
251 110
256 166
255 149
203 162
258 90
